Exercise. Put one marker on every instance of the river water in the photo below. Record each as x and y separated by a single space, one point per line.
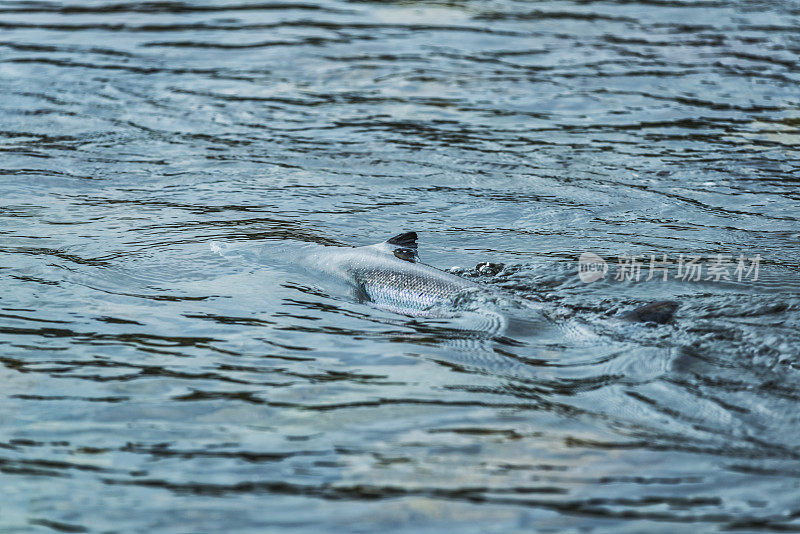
165 370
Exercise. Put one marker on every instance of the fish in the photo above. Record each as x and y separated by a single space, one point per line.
390 276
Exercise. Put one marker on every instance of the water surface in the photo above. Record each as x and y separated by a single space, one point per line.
165 370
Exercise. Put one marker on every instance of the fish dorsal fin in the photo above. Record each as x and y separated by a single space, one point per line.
404 246
406 240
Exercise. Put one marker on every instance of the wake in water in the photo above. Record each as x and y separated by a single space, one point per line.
481 328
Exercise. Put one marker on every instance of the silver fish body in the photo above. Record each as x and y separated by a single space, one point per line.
379 276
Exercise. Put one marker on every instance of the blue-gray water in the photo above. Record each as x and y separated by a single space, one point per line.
165 370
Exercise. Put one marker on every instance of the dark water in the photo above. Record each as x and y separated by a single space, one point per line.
164 371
